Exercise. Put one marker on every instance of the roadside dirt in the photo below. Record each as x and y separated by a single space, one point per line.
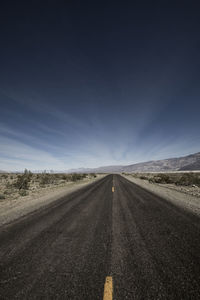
15 207
181 196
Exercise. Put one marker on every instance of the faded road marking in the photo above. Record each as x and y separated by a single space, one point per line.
108 289
113 189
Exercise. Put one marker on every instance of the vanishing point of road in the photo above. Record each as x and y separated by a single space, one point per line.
109 240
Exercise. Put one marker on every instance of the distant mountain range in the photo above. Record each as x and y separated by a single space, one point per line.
185 163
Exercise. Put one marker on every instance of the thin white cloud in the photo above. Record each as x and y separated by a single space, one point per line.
26 156
120 143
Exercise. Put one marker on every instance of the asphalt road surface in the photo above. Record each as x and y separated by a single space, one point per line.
150 248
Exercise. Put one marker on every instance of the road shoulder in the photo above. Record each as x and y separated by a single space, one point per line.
187 202
12 210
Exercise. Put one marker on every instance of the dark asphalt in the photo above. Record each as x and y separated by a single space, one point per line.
65 250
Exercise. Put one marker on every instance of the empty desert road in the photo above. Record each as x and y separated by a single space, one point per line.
149 247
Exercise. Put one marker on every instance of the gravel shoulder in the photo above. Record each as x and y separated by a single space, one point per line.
11 210
179 197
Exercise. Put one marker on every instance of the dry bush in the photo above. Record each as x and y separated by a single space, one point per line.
161 178
76 177
23 193
185 179
66 177
189 179
46 178
93 175
23 181
143 177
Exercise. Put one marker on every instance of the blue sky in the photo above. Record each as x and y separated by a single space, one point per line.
98 84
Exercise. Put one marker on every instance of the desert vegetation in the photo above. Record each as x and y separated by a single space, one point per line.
186 182
14 185
179 179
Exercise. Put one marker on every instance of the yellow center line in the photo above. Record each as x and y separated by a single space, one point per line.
108 289
113 189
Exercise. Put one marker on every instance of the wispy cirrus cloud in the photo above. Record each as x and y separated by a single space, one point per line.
47 137
20 156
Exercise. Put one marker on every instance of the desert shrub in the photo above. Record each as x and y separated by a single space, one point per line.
23 180
2 197
93 175
9 185
135 175
161 178
5 176
196 179
56 176
66 177
188 179
156 179
8 192
165 178
183 180
47 178
143 177
28 173
22 183
178 179
151 180
23 193
76 177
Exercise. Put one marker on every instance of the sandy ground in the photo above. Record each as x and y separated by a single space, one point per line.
15 208
180 196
